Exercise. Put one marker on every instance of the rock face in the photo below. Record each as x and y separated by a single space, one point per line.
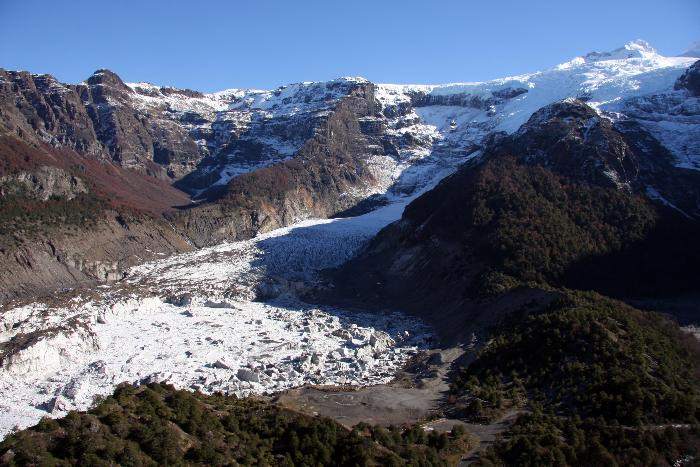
68 219
690 80
135 139
572 139
100 254
43 183
327 175
97 118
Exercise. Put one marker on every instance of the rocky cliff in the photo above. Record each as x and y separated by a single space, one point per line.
69 219
83 158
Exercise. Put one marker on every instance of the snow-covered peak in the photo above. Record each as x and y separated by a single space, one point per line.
693 50
634 49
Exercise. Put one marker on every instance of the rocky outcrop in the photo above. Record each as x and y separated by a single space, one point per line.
328 175
132 136
37 108
476 101
101 253
99 118
69 219
690 80
261 128
43 183
572 139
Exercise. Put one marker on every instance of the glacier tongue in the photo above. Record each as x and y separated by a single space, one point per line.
192 320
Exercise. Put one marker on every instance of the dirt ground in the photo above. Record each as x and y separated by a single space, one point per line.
416 396
396 403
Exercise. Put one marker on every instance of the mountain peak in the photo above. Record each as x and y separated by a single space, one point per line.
108 78
637 48
693 50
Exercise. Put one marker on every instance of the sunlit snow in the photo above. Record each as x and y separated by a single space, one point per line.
227 318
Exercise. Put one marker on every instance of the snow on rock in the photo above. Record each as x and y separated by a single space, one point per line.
191 320
444 122
226 318
241 130
422 130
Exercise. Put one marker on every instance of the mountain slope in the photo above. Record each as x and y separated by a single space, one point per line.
562 201
604 383
69 219
255 160
157 425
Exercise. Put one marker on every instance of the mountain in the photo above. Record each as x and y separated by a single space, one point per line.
511 253
173 169
693 50
569 199
489 210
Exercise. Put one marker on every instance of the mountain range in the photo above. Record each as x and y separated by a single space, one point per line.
527 219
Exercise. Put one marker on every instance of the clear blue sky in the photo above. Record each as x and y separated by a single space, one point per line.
211 45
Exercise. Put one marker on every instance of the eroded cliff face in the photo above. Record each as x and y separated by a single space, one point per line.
70 257
98 118
327 175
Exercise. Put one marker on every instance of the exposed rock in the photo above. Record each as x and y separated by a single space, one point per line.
99 118
690 80
248 375
316 183
43 183
102 254
179 300
222 365
422 99
570 137
37 108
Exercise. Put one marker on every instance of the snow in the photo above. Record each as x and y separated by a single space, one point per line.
606 80
277 122
193 320
693 50
610 82
228 318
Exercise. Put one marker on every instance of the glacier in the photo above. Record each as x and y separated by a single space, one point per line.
229 318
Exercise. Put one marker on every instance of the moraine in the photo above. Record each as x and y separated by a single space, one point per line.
198 321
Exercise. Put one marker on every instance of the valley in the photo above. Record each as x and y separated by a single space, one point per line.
412 257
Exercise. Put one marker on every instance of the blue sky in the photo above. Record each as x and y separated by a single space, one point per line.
211 45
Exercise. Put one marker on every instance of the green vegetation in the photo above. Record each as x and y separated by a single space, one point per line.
537 223
539 439
524 223
618 385
22 218
158 425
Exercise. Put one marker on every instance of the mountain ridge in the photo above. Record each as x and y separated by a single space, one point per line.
209 144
